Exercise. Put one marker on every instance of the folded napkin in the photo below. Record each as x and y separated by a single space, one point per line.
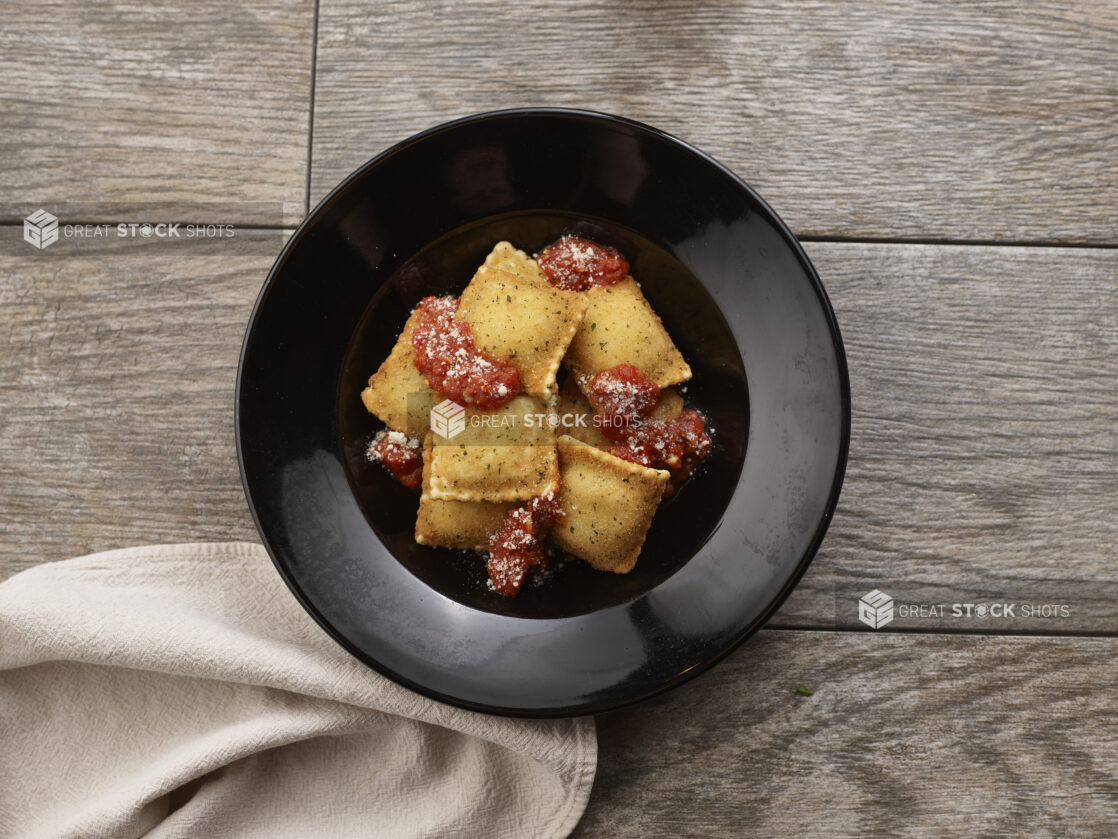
180 691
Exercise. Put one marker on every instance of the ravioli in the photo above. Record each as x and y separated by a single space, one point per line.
668 405
506 257
508 454
608 505
620 327
455 524
398 394
523 320
572 402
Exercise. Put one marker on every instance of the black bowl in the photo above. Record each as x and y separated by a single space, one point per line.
738 296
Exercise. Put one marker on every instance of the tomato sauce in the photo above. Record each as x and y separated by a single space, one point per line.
678 444
519 545
576 264
448 357
623 391
624 397
399 454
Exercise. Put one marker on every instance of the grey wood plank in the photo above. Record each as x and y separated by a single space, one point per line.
984 455
983 461
905 736
156 112
116 392
871 118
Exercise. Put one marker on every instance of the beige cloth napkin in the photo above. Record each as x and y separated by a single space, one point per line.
180 691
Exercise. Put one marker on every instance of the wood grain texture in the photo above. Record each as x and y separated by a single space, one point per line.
116 392
982 466
984 454
872 118
120 111
984 460
905 736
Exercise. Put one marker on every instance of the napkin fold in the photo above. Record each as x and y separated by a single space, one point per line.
181 691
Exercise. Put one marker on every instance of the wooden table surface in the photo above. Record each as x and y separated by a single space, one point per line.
952 168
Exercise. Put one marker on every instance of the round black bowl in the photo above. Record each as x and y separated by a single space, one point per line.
736 293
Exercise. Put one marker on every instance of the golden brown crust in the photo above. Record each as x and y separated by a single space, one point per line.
572 402
455 524
528 322
608 505
397 393
507 454
668 405
506 257
620 327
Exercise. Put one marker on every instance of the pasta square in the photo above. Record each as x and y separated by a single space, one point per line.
518 318
571 402
506 257
609 504
455 524
398 394
508 454
668 405
620 326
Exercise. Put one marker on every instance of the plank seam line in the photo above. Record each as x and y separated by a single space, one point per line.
1006 633
310 115
976 243
808 238
113 222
